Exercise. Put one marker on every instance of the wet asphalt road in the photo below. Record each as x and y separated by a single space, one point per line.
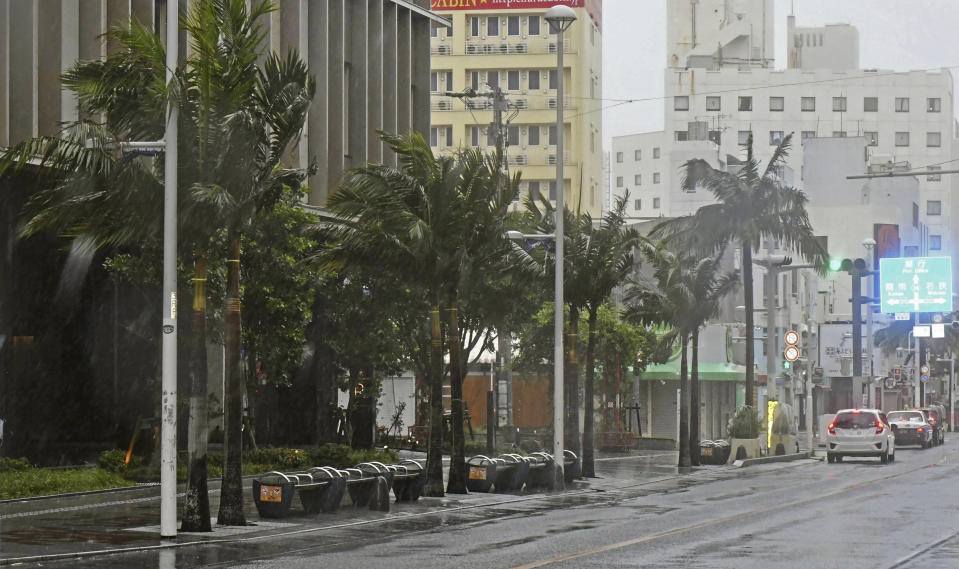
639 514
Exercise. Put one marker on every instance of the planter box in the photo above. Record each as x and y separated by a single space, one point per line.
745 448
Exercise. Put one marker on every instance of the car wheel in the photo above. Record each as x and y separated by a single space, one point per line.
892 457
884 457
830 458
838 458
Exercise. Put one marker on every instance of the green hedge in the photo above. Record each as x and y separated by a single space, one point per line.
40 482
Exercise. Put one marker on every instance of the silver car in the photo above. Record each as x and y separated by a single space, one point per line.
910 428
860 432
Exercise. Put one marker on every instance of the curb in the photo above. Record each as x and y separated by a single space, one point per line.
770 459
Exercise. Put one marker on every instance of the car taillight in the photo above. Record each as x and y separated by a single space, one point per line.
919 430
932 421
832 428
879 427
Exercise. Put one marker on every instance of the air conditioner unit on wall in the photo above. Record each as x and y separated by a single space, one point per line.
522 104
551 103
552 47
444 105
551 159
521 160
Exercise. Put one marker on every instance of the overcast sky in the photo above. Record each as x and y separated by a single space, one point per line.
893 34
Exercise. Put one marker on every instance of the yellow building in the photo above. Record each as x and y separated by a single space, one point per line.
507 43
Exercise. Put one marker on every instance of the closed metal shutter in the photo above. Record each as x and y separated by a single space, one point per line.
664 409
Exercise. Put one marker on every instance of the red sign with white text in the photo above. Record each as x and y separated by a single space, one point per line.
593 7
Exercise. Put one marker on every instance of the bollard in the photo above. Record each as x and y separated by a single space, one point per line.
380 495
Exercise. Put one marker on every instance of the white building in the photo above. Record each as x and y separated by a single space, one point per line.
716 91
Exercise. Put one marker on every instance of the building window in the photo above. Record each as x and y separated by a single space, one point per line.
619 181
775 137
870 104
807 104
638 204
656 153
777 104
552 135
933 139
715 136
533 80
434 81
655 203
492 26
474 80
474 136
638 180
512 25
681 103
839 134
552 190
619 157
681 135
449 80
902 139
512 80
902 104
934 105
839 104
637 155
933 207
532 25
552 79
532 136
512 135
872 138
714 103
935 242
915 215
492 79
743 138
474 26
745 103
808 134
655 177
434 31
434 136
934 177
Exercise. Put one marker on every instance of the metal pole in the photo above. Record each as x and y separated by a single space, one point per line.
952 374
915 363
869 346
772 280
558 312
810 351
168 527
856 341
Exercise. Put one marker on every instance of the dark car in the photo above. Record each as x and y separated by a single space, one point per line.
936 419
910 428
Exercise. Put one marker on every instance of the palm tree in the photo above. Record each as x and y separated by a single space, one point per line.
667 300
753 204
432 221
707 290
606 261
236 122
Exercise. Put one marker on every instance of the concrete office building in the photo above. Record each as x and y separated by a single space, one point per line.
508 44
721 86
370 59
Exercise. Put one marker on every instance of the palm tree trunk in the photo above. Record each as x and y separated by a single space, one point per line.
196 506
694 406
589 468
750 332
457 481
684 405
434 455
571 377
231 494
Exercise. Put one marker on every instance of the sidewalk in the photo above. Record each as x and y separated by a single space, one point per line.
38 529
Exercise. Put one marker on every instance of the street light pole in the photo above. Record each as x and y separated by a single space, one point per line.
560 18
168 527
870 245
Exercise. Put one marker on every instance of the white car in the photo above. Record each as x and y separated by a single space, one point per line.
860 432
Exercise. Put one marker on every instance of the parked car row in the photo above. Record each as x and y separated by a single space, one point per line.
870 432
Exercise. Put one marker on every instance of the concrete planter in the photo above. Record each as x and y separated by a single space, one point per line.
744 448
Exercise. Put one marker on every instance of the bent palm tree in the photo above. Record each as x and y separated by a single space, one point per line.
752 204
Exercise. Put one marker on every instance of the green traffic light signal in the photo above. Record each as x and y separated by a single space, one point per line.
835 265
787 364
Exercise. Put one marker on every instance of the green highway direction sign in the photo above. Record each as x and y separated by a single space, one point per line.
916 284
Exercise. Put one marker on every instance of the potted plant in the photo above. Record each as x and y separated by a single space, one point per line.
744 430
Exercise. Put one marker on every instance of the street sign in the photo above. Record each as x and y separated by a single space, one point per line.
924 369
916 284
791 338
938 330
924 378
903 316
922 331
937 318
791 353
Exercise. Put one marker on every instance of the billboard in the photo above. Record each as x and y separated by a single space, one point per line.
916 284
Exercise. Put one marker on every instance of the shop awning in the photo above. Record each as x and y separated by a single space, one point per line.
708 371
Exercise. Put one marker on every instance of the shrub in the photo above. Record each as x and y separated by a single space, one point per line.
13 464
40 482
113 460
744 424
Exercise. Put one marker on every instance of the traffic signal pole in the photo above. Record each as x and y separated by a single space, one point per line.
857 340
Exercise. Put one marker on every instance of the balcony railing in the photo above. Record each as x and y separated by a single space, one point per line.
499 46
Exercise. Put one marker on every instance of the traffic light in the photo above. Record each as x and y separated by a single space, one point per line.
784 262
835 265
787 364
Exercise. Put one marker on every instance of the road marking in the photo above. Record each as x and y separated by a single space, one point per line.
700 525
